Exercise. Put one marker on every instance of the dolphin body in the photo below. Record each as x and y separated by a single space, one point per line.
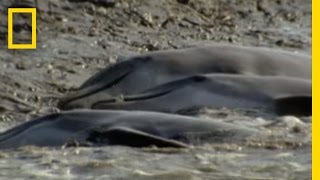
129 128
139 73
274 95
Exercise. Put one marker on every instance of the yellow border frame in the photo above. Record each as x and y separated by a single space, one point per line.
315 89
33 44
315 69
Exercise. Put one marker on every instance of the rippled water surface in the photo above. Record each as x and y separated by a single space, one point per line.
122 163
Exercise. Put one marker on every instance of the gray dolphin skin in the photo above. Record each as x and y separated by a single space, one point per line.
139 73
129 128
274 95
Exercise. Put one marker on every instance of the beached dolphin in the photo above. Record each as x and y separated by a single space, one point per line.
129 128
273 95
142 72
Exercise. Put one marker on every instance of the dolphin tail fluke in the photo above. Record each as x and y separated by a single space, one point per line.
295 105
131 137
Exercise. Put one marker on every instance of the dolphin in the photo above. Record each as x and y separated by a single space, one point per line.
274 95
141 72
127 128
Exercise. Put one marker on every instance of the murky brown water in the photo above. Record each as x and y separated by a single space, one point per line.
76 39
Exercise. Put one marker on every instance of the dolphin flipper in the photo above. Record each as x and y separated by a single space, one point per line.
294 105
131 137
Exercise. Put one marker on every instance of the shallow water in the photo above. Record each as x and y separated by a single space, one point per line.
123 163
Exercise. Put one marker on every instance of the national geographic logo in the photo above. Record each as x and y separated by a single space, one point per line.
33 12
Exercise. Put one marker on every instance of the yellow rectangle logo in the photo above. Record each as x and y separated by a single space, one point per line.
33 44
